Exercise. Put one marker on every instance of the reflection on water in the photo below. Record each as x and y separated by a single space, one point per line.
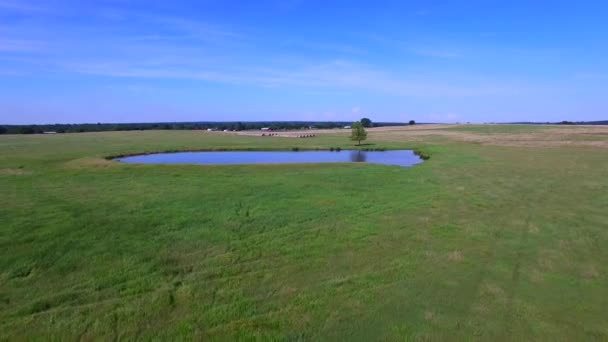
399 157
358 156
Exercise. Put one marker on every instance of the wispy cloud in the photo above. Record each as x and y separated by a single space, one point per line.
438 52
20 6
288 5
329 47
161 47
420 12
335 75
21 45
443 117
193 29
10 73
590 75
433 49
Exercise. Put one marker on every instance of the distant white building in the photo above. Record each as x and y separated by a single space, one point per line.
265 129
347 127
50 132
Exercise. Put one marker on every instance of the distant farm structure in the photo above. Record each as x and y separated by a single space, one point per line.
288 135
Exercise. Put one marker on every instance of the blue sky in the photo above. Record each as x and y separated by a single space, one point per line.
442 61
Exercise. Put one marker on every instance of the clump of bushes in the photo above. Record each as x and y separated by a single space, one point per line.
295 149
423 155
39 306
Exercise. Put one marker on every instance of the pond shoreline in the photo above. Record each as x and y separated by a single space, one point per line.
404 158
419 152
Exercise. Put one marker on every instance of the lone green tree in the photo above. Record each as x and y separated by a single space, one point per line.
358 134
366 122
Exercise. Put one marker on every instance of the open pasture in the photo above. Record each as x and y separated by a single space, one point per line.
502 234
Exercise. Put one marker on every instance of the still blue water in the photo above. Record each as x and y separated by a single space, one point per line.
398 157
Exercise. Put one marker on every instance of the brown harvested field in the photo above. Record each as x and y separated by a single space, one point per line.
503 135
509 135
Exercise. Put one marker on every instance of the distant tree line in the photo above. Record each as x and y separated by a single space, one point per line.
233 126
565 122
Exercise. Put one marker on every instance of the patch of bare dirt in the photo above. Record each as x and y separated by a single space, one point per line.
590 272
429 315
455 256
89 162
14 172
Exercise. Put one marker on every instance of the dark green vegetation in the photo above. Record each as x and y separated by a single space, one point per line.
358 133
229 125
366 122
479 242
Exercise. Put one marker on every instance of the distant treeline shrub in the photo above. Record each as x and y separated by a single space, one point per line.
233 126
423 155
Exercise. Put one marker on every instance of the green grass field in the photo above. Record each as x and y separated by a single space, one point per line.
479 242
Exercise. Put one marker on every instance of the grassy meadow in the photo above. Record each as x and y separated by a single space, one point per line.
488 239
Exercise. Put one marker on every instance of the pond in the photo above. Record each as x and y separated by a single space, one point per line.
398 157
